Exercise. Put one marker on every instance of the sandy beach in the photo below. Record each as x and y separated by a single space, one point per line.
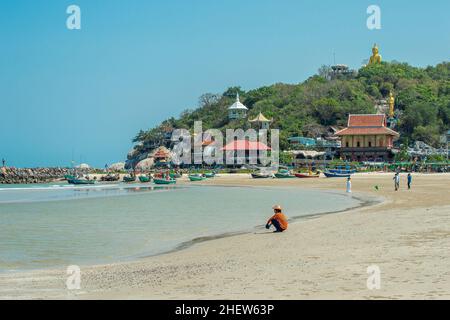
407 236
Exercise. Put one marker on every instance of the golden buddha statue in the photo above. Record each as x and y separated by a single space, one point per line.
391 104
376 57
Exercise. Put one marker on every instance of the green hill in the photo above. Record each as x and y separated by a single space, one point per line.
422 102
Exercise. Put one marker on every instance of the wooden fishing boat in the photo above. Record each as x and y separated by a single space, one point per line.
164 181
144 179
69 177
259 175
336 175
306 175
342 171
174 175
81 181
129 178
110 178
209 175
283 175
196 177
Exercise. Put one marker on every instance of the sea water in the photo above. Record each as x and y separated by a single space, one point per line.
43 226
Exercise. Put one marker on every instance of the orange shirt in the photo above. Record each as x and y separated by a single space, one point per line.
281 218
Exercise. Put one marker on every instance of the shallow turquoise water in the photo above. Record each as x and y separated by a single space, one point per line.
47 226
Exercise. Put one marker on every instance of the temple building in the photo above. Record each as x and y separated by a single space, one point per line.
367 138
237 110
261 121
243 151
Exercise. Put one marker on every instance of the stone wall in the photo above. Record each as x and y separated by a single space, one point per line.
31 175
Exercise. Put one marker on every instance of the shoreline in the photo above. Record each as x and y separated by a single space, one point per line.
292 221
365 200
232 268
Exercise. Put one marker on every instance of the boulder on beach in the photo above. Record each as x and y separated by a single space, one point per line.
119 166
145 164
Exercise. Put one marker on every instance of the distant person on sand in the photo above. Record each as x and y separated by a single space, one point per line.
397 181
349 185
278 220
409 180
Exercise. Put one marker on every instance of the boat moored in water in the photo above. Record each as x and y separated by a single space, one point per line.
81 181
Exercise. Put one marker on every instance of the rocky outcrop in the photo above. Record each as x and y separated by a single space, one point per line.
32 175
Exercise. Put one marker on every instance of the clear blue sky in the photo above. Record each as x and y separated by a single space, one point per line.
134 63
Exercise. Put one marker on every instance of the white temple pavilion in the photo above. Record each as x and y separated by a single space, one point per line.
237 110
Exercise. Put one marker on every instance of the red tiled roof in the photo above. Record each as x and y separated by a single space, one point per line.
366 120
361 124
245 145
366 130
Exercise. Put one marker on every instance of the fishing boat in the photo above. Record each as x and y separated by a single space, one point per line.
196 177
260 175
306 175
280 175
144 179
129 178
110 177
342 171
175 175
209 174
81 181
336 175
164 181
69 177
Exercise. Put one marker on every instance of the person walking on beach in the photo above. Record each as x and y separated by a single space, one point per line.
397 181
349 185
409 180
278 220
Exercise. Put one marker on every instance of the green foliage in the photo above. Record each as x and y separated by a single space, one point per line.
286 158
422 98
403 154
439 158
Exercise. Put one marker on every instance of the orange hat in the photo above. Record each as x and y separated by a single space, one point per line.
277 207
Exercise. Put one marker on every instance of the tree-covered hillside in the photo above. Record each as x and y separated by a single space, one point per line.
422 101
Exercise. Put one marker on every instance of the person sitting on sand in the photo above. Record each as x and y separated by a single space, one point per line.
278 220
